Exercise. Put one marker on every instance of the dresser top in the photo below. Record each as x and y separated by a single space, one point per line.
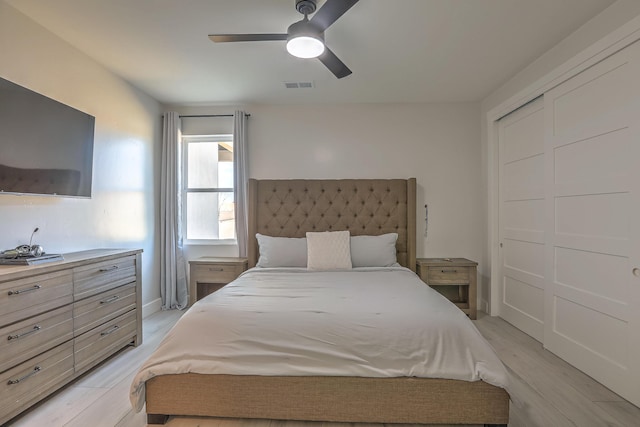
71 260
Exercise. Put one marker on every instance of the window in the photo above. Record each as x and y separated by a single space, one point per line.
207 198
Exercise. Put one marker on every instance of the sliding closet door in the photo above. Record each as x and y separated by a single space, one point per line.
521 136
592 253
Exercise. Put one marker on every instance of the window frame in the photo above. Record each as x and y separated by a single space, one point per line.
186 140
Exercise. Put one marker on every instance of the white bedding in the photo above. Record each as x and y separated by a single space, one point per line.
367 322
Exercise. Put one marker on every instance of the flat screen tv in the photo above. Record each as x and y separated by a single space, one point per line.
46 147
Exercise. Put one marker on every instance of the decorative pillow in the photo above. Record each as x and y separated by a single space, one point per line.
329 250
282 251
374 251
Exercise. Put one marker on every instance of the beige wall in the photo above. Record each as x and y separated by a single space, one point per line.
438 144
123 211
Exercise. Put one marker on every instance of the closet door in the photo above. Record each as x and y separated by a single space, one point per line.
592 256
521 152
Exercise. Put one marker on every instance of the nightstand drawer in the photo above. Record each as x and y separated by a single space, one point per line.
218 273
448 275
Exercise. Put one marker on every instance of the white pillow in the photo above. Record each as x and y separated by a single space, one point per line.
329 250
374 251
282 251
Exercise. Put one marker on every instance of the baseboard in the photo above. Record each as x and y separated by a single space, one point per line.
151 307
484 306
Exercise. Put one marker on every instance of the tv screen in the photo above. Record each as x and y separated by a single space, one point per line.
46 147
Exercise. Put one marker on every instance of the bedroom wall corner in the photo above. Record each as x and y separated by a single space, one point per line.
122 211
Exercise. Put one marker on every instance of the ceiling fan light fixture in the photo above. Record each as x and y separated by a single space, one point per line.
305 47
305 40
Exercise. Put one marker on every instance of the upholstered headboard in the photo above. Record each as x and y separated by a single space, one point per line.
290 208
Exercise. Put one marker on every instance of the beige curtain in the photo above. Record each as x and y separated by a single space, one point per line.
173 277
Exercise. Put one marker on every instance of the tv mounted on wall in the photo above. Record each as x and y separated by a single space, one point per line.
46 147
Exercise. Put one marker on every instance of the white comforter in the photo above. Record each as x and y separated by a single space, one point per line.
366 322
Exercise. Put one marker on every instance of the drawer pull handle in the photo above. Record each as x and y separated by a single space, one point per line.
216 269
36 328
110 331
22 291
30 374
105 269
110 300
448 271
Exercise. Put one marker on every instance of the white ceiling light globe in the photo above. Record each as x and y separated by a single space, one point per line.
305 47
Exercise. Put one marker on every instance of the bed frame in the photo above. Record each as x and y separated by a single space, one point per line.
291 208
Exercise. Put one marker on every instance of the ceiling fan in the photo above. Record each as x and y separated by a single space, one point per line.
305 38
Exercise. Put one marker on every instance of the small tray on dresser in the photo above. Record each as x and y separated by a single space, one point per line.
32 260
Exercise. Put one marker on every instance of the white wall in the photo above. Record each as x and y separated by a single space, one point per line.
437 144
122 212
611 19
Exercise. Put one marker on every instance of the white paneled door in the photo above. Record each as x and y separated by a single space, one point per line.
592 218
522 193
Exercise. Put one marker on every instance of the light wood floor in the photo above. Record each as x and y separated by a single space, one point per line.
554 394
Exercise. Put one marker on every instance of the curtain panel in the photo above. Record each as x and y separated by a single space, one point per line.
241 176
173 277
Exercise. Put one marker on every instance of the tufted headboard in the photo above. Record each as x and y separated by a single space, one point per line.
290 208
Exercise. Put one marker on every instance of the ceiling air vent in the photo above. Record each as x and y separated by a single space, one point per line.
298 85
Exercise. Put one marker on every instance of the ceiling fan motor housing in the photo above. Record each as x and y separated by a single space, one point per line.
306 7
304 28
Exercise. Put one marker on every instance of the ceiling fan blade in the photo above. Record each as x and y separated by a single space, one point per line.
333 63
223 38
330 12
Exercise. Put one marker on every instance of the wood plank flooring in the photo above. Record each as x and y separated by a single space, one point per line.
550 392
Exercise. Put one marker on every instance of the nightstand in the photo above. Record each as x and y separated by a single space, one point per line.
455 278
208 274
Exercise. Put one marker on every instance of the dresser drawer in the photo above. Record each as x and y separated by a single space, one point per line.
32 380
23 298
218 273
448 275
92 347
28 338
98 309
100 277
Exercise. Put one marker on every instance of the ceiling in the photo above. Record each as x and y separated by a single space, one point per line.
399 50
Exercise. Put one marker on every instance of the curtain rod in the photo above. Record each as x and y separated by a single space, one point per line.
211 115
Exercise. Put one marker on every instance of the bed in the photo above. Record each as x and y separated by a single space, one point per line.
253 384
